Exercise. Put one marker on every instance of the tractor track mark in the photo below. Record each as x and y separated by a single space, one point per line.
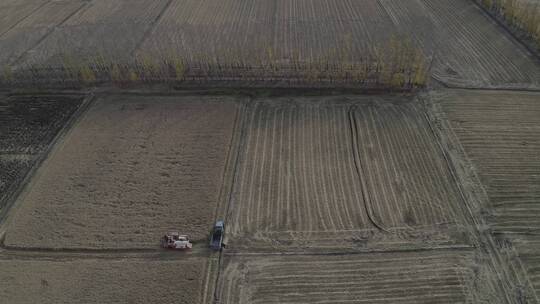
359 169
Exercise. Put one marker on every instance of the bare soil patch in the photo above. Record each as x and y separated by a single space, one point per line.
131 169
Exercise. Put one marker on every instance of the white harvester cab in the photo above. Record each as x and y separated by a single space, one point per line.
175 240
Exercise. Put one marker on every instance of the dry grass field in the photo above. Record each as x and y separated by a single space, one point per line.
90 280
422 277
131 169
339 169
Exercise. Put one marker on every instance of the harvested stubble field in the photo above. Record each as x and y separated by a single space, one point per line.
101 30
471 49
499 133
27 125
90 280
317 41
419 277
338 171
31 24
129 170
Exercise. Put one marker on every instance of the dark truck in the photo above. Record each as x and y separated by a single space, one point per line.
216 241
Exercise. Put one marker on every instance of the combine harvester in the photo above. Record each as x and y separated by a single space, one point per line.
173 240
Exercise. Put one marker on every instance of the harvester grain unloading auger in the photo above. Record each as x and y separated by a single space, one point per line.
359 169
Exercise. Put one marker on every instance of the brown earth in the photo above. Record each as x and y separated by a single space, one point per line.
130 170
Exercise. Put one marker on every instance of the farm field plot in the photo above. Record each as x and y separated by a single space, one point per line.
465 47
27 125
102 281
103 30
35 24
315 169
470 49
500 135
422 277
130 169
254 32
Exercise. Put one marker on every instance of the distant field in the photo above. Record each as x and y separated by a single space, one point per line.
470 49
107 29
339 169
271 40
423 277
130 170
32 25
90 280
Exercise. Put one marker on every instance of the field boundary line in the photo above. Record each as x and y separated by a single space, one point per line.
112 254
227 187
24 18
485 88
52 250
352 252
8 208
